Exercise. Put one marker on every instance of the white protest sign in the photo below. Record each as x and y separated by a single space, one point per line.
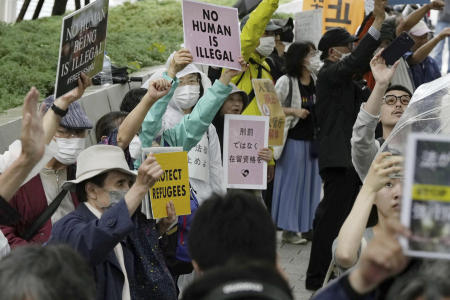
308 26
243 137
426 196
211 33
198 160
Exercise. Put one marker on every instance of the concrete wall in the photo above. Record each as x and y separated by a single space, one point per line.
96 101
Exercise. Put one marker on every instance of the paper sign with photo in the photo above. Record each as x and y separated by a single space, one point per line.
269 105
211 33
173 184
426 196
82 47
243 137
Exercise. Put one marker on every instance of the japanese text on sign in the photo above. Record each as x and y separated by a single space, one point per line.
244 136
198 160
269 105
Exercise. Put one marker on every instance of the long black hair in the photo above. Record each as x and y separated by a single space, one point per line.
295 57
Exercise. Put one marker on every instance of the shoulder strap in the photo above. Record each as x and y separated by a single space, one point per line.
289 96
44 216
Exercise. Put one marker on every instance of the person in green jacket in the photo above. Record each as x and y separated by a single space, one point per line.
188 132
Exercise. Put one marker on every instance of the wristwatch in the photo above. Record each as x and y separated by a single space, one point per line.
60 112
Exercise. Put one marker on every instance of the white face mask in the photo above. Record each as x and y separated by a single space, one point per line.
315 63
186 96
135 148
68 149
266 45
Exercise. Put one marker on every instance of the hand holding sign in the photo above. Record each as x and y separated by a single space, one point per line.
180 60
227 74
149 172
65 100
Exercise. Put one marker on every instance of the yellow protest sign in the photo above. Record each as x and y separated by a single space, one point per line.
338 13
173 185
312 4
269 105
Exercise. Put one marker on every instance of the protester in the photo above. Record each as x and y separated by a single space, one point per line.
338 100
381 189
252 280
107 230
381 259
45 273
257 42
423 67
235 103
297 183
443 22
276 60
234 227
33 199
196 121
386 104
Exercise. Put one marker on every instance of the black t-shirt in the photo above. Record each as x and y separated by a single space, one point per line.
304 130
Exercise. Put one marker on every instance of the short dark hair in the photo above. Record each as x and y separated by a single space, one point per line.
236 226
132 99
53 272
106 124
397 87
295 56
242 277
80 188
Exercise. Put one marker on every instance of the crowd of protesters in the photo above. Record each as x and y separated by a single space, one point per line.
71 221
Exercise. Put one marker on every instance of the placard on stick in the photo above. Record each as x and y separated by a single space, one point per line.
426 196
82 46
244 136
173 184
211 33
269 105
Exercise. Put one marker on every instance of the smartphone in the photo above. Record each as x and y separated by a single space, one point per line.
397 48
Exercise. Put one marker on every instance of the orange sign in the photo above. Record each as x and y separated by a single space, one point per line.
338 13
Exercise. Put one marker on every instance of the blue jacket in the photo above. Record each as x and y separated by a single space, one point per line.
340 289
95 239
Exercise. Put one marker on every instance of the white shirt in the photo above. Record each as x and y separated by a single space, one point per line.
119 254
4 246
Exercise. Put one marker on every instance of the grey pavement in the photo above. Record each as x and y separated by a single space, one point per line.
294 262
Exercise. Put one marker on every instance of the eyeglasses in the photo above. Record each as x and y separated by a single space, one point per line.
392 100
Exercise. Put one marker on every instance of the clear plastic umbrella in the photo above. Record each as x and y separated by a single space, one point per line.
428 112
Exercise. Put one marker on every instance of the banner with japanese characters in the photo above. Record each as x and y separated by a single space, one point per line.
198 160
172 185
243 137
348 14
82 46
308 26
426 196
269 105
211 33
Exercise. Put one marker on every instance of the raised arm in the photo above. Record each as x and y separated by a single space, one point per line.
350 235
153 120
407 23
51 119
132 123
420 54
33 146
255 26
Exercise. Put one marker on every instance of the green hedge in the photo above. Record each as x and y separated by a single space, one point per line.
140 34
